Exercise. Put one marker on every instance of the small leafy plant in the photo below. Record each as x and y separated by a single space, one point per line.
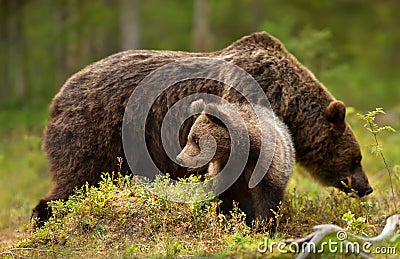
355 225
377 148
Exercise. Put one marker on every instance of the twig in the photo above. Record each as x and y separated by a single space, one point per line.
12 254
12 251
386 165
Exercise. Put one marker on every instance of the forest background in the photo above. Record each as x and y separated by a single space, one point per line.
353 47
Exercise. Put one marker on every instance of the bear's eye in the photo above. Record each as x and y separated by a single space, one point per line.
358 160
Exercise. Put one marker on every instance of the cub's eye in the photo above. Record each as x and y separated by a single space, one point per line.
196 141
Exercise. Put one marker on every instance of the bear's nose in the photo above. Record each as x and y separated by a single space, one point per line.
365 191
368 190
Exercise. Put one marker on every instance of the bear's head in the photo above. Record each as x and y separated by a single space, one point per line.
208 139
338 150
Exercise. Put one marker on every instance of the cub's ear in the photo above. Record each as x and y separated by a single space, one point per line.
197 106
216 120
336 113
215 114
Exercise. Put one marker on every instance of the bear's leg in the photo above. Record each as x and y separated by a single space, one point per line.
238 193
244 204
42 212
266 198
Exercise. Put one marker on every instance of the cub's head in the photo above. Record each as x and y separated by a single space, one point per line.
339 153
208 139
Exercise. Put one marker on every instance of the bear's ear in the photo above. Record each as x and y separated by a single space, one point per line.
336 113
197 106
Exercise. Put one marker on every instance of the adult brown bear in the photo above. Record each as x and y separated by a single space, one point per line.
83 136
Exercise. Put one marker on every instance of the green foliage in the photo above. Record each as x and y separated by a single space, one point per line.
354 225
121 209
370 125
123 218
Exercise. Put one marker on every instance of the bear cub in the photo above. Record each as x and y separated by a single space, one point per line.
261 200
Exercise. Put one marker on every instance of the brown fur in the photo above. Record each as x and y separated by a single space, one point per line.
257 202
83 135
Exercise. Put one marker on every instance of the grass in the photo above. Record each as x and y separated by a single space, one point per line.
23 168
122 218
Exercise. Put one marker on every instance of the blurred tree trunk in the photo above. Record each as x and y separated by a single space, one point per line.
110 36
72 59
4 50
201 29
130 24
18 43
59 17
86 36
257 14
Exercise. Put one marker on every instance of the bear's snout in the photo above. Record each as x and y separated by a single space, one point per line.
357 183
364 192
